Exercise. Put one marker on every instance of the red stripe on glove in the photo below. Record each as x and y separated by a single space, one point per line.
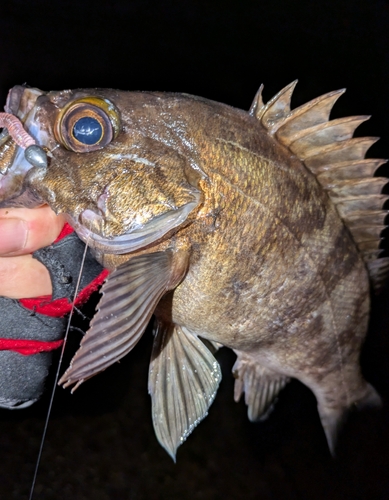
67 229
28 347
60 307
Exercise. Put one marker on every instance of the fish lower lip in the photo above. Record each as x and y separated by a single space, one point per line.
139 238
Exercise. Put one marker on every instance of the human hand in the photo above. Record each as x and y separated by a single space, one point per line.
23 231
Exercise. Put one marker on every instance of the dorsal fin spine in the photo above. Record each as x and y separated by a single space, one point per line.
256 108
324 134
278 108
345 170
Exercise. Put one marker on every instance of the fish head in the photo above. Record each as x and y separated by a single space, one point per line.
112 169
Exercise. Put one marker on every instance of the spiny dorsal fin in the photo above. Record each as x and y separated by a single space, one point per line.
329 150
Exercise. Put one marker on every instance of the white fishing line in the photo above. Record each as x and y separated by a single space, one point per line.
57 373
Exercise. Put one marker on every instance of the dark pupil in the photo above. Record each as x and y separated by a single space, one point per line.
87 130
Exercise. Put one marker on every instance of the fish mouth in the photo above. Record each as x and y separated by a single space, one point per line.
14 165
21 100
140 237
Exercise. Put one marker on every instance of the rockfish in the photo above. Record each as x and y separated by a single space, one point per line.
258 231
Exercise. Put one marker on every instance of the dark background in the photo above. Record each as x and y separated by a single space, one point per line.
100 443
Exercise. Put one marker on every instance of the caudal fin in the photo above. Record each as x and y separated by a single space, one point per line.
332 419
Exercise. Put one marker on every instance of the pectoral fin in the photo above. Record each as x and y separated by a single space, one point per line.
130 296
183 380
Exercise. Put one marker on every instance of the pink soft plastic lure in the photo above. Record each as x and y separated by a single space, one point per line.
16 130
13 127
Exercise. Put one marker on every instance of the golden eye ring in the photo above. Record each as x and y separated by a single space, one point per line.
87 124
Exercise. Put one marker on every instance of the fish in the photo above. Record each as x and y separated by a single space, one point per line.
258 231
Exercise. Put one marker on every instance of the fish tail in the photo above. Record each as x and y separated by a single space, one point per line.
333 418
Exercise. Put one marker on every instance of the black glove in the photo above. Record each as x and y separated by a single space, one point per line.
30 329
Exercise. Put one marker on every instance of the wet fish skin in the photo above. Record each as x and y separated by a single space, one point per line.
267 267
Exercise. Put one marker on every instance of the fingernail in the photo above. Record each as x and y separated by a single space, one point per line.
13 235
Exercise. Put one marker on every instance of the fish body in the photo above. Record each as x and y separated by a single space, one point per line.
243 229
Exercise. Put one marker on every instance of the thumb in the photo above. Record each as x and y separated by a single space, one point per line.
24 231
13 235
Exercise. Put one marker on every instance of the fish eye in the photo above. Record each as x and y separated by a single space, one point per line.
87 130
87 124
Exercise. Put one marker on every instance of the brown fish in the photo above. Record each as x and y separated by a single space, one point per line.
257 231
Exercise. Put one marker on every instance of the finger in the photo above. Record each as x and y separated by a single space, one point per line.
24 230
23 277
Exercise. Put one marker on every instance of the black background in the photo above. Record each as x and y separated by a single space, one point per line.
100 443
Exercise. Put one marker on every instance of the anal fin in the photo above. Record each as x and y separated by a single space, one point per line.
260 385
183 380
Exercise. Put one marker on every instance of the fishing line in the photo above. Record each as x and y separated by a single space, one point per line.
57 373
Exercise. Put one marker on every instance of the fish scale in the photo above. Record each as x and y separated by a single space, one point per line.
254 231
